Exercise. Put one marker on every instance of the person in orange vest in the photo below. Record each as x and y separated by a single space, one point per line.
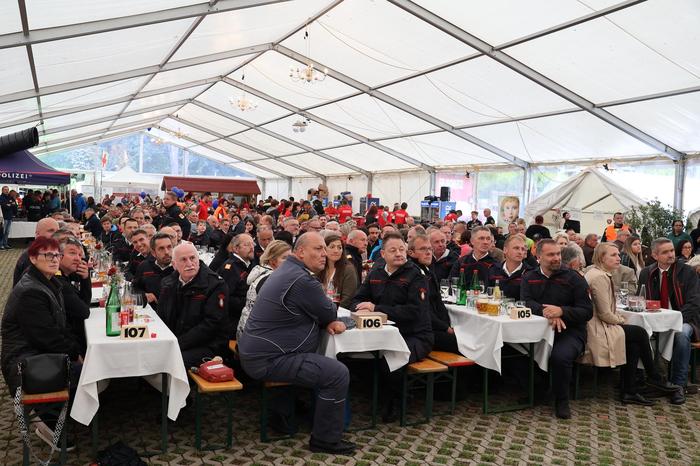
344 211
610 233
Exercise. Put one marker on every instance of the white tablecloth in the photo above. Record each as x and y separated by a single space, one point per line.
481 337
206 257
22 229
387 340
666 322
111 357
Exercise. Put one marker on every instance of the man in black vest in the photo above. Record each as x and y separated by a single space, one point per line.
151 272
235 272
561 295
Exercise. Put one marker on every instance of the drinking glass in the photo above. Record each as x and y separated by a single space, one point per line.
489 291
482 287
455 286
520 304
445 288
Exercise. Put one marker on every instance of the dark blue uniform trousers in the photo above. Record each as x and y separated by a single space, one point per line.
568 346
329 377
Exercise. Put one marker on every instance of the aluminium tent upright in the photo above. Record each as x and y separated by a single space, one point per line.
590 196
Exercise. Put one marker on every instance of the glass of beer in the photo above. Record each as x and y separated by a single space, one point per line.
481 303
493 306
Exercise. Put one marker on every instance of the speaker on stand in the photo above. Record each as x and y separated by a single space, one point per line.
444 193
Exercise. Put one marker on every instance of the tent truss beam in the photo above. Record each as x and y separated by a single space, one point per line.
222 137
102 131
280 137
116 24
403 106
90 141
524 70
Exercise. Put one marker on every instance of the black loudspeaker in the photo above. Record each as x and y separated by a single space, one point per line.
444 193
19 141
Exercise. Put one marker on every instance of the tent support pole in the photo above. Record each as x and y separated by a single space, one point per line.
263 188
527 181
370 183
289 186
679 184
433 181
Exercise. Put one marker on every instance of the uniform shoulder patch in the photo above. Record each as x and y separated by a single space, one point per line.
227 266
181 215
422 293
221 300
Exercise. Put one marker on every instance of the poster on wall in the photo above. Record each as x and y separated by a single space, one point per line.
461 190
508 210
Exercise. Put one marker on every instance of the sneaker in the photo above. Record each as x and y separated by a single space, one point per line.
46 434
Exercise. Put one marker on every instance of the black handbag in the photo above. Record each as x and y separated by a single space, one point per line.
44 373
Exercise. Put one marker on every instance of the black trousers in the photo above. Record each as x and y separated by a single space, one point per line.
445 342
194 357
636 347
568 346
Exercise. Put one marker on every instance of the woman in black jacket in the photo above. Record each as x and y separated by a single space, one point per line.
35 320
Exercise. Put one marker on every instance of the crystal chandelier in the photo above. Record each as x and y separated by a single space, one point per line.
307 74
243 103
155 140
300 126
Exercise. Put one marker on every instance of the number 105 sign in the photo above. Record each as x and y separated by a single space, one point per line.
520 313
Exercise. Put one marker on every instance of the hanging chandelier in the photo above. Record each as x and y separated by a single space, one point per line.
307 74
243 103
300 125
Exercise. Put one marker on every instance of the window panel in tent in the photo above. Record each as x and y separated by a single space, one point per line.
560 138
9 18
270 74
369 158
247 27
16 74
18 109
187 131
235 150
194 73
73 132
476 91
210 120
52 13
80 117
602 62
442 149
318 164
500 21
371 118
281 167
165 98
106 53
376 42
672 120
91 94
220 95
253 170
315 135
265 143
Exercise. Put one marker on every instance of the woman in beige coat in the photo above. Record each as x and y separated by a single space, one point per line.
610 342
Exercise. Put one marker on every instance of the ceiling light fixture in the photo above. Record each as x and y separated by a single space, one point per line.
243 103
307 74
300 126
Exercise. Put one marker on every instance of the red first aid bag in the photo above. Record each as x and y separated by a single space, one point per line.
215 371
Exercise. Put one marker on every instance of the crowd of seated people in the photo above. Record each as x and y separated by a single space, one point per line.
283 268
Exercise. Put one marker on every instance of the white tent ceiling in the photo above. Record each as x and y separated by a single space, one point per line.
411 85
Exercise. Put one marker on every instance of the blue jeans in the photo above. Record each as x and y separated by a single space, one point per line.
681 355
7 224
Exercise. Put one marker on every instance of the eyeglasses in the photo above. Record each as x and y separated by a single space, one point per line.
49 256
424 250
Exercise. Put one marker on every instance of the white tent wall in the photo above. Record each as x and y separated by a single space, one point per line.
301 186
356 184
410 187
278 188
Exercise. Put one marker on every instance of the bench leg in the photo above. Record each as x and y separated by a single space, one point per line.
486 391
164 413
375 387
229 420
263 416
95 431
25 450
453 400
429 395
404 397
694 365
197 420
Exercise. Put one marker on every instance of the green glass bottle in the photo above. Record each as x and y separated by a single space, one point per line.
112 310
476 286
462 296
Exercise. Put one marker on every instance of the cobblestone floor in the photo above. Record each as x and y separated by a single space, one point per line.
602 431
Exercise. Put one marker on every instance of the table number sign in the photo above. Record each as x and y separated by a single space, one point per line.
368 320
520 313
135 332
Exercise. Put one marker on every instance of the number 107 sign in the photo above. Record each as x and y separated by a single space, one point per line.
134 332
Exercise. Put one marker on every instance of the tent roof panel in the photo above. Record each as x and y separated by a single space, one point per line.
210 120
16 74
9 18
81 117
265 143
674 120
318 164
375 42
220 95
110 52
165 98
192 73
18 109
621 56
209 153
144 117
253 170
316 135
73 132
369 158
235 150
281 167
187 131
52 13
476 91
91 94
371 117
246 27
442 149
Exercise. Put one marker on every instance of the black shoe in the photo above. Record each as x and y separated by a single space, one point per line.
691 389
388 412
341 447
636 399
8 247
663 386
678 397
562 410
282 424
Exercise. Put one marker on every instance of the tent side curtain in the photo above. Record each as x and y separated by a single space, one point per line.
22 167
216 185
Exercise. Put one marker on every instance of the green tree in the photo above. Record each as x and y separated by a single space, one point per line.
652 220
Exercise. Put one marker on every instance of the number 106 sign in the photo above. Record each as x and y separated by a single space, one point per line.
368 320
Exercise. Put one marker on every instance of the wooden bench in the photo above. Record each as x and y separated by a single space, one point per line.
206 387
452 361
417 375
49 403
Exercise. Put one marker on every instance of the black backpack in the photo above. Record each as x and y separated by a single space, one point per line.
119 454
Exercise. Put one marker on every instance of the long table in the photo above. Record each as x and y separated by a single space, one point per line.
664 323
111 357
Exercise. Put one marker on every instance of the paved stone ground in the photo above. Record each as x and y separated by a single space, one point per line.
602 431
